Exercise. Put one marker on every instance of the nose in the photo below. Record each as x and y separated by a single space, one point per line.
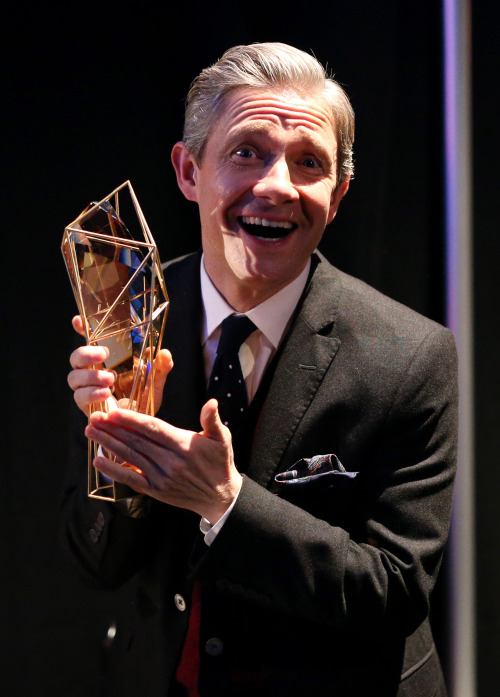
275 183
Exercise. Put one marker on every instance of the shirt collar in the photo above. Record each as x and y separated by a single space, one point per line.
271 316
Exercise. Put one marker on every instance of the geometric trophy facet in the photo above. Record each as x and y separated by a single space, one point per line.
118 283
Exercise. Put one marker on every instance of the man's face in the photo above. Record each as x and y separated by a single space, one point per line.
266 189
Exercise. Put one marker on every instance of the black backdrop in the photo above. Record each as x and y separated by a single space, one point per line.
93 96
486 68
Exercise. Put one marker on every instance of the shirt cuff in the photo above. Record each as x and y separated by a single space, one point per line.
211 531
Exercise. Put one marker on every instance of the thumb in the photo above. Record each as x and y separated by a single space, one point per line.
77 323
211 423
163 366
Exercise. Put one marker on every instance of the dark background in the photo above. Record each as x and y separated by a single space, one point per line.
92 96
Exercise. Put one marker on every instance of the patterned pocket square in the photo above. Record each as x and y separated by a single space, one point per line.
324 469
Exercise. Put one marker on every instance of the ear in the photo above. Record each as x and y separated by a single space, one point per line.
186 171
337 196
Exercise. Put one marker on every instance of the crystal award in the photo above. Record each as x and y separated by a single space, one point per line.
116 275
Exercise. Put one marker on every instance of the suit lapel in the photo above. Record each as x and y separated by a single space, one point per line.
305 356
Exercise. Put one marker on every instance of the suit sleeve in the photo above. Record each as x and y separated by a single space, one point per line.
106 545
380 567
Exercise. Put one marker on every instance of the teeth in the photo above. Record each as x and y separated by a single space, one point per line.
253 220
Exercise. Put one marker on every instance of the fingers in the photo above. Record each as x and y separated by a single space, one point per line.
88 356
133 446
154 446
126 424
77 323
124 473
90 385
85 397
92 379
164 362
184 469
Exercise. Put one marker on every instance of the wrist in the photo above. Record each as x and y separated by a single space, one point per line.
226 497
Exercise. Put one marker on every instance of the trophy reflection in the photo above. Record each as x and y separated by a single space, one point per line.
120 291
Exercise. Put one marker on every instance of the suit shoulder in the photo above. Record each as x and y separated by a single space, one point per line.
182 275
362 302
364 315
182 265
388 344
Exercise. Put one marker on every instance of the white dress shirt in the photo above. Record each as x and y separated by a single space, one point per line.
272 319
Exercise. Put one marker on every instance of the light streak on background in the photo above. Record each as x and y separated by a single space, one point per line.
459 280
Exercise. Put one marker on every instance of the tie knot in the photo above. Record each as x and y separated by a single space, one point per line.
235 329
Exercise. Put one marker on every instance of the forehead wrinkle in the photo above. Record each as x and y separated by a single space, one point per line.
306 111
287 117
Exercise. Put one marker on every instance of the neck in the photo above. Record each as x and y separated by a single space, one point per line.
243 297
245 294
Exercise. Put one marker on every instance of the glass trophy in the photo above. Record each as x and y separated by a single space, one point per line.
115 271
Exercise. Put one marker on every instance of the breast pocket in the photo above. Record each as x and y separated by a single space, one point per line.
322 486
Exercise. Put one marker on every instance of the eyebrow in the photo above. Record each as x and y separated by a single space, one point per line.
308 139
262 129
255 128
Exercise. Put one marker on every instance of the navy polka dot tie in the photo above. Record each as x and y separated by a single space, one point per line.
226 383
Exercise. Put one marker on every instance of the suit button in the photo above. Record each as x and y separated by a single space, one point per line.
179 601
214 647
250 594
93 535
223 584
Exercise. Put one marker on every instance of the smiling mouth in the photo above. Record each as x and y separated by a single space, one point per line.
266 229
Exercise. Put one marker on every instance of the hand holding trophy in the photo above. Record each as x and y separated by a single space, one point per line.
120 291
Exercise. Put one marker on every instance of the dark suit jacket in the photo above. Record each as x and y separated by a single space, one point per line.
321 589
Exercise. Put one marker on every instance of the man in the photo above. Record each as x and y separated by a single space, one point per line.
260 568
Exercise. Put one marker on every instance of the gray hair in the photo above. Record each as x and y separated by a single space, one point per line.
262 66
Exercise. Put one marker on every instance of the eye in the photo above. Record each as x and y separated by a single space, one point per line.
311 163
245 153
